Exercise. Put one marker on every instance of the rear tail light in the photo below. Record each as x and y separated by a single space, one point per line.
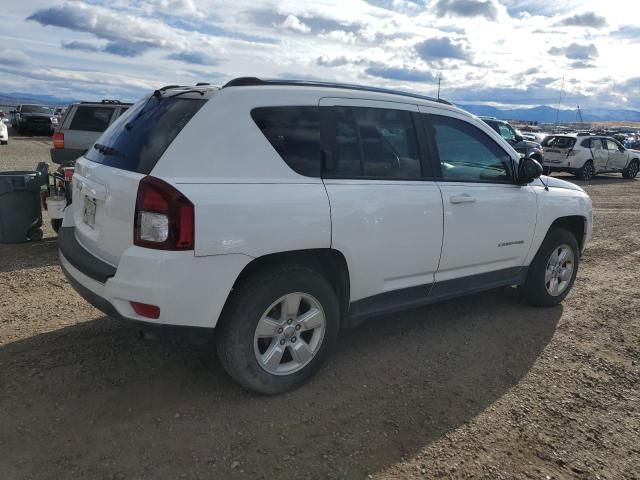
164 217
145 310
58 140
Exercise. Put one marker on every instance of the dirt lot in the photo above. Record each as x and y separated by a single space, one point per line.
482 387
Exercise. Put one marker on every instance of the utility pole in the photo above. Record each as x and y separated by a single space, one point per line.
559 101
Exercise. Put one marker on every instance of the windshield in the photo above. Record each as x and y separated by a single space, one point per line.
139 137
35 109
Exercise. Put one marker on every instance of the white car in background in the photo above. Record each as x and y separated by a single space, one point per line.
4 132
588 155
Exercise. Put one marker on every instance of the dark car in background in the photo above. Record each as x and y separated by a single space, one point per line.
525 147
29 118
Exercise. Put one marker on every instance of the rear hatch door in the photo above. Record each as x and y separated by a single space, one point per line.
107 176
556 149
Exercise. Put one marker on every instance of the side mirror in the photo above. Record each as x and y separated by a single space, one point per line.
519 138
528 170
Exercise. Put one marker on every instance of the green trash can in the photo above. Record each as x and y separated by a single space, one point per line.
20 204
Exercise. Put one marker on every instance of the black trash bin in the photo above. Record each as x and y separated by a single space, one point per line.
20 205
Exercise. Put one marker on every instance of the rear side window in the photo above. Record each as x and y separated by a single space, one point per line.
139 137
560 142
375 142
91 119
294 132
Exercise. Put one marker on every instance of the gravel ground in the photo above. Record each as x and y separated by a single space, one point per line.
481 387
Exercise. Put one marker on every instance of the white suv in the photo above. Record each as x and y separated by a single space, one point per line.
279 212
588 155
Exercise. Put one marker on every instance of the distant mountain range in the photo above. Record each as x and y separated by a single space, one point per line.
546 114
541 114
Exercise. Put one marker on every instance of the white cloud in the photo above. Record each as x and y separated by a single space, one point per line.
293 23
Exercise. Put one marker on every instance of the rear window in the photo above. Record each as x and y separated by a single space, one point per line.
294 132
139 137
91 119
559 142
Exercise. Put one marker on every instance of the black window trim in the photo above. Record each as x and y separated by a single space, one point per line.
437 165
328 145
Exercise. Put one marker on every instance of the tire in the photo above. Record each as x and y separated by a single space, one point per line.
632 170
56 223
35 234
243 353
587 171
536 290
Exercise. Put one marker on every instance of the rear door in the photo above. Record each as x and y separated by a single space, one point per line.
599 154
86 124
386 210
488 220
106 179
556 149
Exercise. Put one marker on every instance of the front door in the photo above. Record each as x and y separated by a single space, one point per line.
488 220
617 157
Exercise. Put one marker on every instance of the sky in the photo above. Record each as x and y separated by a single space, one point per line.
499 52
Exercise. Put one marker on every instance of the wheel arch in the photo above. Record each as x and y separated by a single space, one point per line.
329 262
576 224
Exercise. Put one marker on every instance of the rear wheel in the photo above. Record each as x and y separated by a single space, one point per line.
632 170
277 328
587 171
553 270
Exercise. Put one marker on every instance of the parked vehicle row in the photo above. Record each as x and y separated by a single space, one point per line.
280 212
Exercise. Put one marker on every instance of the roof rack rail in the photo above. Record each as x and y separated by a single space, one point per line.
254 81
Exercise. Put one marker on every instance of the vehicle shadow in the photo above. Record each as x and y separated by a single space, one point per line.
22 256
100 400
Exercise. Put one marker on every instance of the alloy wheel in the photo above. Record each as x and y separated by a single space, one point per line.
559 270
289 334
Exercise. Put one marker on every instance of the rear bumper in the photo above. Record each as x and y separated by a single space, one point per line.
64 155
189 290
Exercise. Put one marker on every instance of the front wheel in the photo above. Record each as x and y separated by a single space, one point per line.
632 170
277 328
553 270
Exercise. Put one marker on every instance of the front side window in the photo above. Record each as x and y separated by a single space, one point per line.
374 142
91 119
466 153
294 132
506 132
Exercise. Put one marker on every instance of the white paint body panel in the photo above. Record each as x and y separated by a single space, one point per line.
492 233
390 233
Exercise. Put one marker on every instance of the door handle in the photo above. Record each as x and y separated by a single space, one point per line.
464 198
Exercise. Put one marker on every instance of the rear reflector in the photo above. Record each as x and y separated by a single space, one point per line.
145 310
58 140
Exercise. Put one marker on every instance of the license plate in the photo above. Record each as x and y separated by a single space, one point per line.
89 215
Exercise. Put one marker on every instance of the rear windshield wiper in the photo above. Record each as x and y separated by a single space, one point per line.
187 91
106 150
